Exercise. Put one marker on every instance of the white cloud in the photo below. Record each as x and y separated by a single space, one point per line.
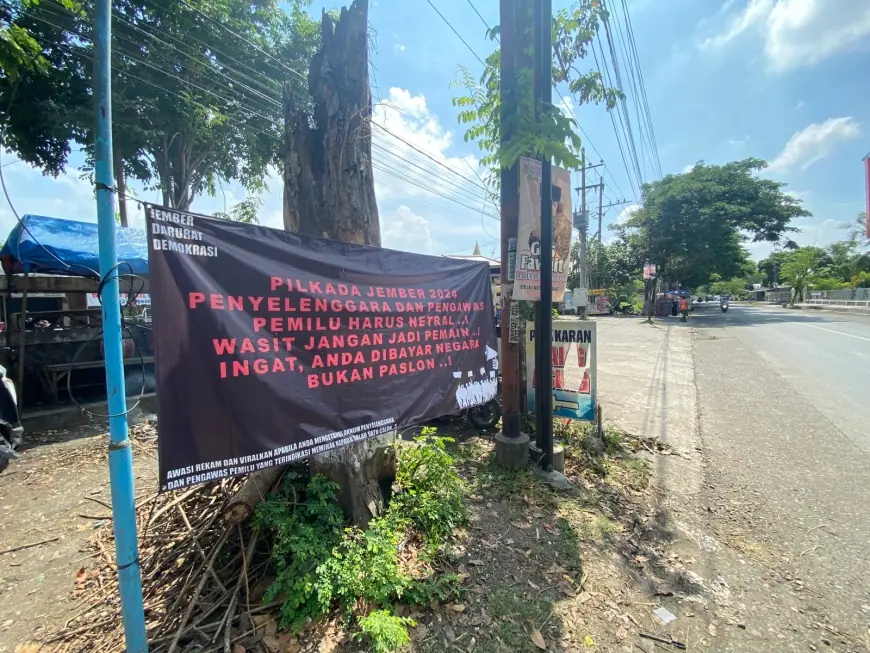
403 229
688 168
738 141
398 47
798 33
814 143
800 105
411 154
801 195
804 32
627 212
755 11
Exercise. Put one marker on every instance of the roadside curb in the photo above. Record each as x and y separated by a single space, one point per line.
830 308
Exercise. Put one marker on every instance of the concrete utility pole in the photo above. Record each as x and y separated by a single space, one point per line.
583 186
582 224
600 208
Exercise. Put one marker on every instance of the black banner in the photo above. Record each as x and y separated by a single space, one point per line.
271 346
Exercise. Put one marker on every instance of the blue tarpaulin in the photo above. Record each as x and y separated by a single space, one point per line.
55 246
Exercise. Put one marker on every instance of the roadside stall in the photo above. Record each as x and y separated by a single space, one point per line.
51 318
599 302
668 303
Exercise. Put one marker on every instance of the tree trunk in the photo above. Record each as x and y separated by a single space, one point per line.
329 192
121 185
329 187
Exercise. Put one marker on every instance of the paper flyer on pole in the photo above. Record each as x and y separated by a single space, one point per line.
527 284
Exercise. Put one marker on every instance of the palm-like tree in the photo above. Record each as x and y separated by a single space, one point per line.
858 230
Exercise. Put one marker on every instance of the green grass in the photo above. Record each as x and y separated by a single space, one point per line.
512 613
502 482
635 471
508 602
576 521
598 527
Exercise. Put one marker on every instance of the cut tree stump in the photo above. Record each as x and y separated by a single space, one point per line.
329 191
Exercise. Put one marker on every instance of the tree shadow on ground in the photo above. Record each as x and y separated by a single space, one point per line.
521 561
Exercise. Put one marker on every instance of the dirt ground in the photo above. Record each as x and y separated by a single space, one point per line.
660 522
571 570
52 501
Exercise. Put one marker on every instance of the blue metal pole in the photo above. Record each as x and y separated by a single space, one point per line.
120 453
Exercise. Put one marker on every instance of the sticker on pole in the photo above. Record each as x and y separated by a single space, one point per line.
271 346
573 353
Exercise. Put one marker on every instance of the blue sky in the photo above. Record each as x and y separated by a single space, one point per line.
782 80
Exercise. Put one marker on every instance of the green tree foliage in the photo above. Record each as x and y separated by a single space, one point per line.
771 266
245 211
321 564
611 265
196 88
18 48
858 231
733 286
553 135
842 264
694 224
42 88
799 269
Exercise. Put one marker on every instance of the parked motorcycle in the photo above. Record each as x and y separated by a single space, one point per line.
486 416
11 430
622 308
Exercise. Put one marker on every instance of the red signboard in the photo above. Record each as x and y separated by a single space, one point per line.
867 191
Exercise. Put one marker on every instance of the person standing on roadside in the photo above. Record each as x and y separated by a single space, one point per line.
684 310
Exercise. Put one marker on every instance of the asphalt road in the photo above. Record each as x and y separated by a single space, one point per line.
825 357
784 423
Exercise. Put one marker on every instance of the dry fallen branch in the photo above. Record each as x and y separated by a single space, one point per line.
28 546
197 572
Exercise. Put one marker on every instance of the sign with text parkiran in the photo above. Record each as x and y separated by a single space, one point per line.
271 346
574 356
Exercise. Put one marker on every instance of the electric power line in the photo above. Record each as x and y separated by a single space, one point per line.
479 15
632 148
274 121
399 175
384 167
245 40
467 194
605 76
642 86
625 36
459 36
